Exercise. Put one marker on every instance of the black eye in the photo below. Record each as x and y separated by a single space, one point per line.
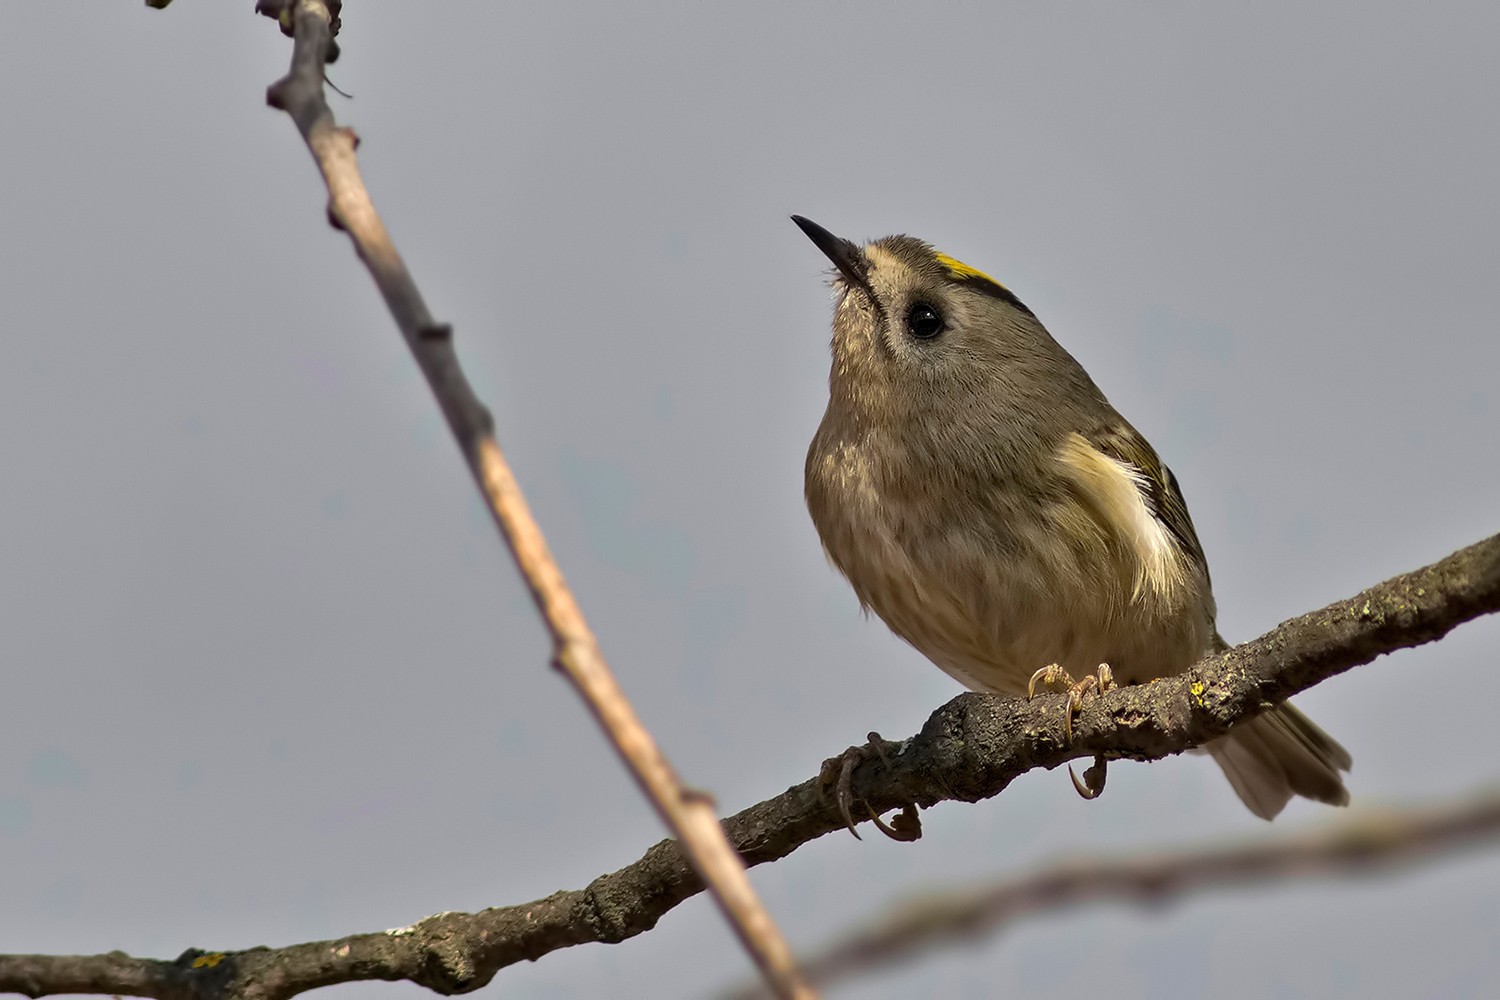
923 321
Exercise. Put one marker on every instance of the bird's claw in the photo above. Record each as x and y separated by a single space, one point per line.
1092 785
838 772
905 826
843 784
1100 682
1049 675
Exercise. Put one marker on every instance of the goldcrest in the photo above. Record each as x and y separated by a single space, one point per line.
986 501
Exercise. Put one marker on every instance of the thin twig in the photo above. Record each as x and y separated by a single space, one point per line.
1368 842
691 815
971 748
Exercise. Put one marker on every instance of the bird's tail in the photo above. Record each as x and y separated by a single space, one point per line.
1278 754
1281 753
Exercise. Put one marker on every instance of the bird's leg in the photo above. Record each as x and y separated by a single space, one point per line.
1096 683
838 772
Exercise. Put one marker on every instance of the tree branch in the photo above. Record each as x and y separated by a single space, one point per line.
690 815
970 749
1375 841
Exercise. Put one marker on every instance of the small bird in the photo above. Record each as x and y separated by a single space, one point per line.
985 500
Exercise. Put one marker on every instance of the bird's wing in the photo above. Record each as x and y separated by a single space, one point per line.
1157 485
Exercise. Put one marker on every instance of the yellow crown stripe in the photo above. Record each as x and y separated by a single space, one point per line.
959 270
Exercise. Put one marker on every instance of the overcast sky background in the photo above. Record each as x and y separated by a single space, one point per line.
268 674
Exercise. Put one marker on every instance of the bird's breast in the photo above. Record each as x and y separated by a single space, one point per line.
990 578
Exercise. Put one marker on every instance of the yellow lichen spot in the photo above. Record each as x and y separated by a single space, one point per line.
210 960
1421 591
1197 688
958 269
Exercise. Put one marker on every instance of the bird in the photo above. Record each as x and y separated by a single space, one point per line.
985 500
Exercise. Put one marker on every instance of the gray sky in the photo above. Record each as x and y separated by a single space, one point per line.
268 674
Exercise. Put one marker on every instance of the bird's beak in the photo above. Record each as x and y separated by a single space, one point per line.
846 256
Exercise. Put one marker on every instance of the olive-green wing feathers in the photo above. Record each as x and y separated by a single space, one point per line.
1124 443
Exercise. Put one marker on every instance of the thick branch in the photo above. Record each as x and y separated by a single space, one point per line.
970 749
690 815
1362 844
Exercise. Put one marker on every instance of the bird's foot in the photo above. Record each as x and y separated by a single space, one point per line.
838 773
1096 683
1092 785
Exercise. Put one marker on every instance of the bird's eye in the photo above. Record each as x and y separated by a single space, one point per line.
923 321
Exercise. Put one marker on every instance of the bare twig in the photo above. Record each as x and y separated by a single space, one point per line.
691 815
1370 841
970 749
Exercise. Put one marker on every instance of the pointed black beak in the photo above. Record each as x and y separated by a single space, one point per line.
845 255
